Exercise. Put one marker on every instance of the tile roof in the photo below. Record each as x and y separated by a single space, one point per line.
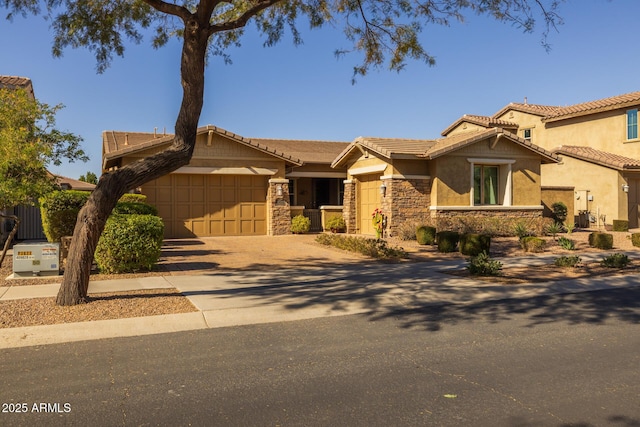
537 109
307 151
485 121
591 107
12 82
602 158
117 144
74 184
431 149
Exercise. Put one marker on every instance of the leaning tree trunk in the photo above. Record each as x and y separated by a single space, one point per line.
112 185
10 237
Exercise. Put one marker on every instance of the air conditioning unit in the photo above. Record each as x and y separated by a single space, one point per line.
36 259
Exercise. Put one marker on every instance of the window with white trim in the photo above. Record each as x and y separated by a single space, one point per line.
632 124
526 134
491 182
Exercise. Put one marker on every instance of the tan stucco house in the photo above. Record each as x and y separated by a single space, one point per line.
598 145
234 185
482 172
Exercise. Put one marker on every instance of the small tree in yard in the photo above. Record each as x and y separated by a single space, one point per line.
382 31
29 142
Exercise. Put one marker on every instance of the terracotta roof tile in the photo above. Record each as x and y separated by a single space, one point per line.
12 82
537 109
602 158
485 121
591 107
308 151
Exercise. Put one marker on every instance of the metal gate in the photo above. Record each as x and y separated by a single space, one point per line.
315 215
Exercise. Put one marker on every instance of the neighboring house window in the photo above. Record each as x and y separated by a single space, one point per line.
527 134
485 185
632 124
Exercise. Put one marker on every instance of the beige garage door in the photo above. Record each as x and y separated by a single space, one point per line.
368 200
210 205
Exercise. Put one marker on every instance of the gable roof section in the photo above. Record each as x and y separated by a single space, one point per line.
535 109
450 144
13 82
485 121
116 145
431 149
607 104
602 158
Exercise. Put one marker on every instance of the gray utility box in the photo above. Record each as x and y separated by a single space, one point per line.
36 259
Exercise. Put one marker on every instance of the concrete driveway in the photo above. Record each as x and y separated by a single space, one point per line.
263 253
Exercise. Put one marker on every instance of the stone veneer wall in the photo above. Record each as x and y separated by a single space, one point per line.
497 221
279 211
349 205
406 203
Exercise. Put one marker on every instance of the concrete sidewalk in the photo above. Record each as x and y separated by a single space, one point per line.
241 298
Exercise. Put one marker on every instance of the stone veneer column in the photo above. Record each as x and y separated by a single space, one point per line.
278 208
407 201
349 205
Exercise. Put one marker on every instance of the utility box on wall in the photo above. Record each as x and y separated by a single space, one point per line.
36 259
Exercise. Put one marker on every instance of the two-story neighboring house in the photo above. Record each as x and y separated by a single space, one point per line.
598 145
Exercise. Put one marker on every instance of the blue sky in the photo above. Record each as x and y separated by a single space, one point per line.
304 92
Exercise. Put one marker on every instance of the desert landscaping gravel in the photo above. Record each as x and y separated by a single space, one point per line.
207 255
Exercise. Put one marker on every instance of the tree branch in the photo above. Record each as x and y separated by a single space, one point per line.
170 9
242 20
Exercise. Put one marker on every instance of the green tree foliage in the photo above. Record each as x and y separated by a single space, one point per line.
90 177
381 32
29 142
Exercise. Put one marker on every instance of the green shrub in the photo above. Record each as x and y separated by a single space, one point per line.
129 243
566 244
133 198
376 248
559 212
570 227
134 208
474 244
521 231
601 240
554 229
447 241
59 210
615 261
567 261
635 239
483 265
300 224
620 225
426 235
336 224
532 244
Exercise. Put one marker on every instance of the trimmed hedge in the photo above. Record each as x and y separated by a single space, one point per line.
620 225
134 208
129 243
300 224
59 210
426 235
474 244
532 244
635 239
601 240
133 198
447 241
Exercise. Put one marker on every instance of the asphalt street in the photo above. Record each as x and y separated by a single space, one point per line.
547 361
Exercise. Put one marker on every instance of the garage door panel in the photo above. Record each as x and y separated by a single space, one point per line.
210 205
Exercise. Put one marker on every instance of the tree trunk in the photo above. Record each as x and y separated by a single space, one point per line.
10 237
112 185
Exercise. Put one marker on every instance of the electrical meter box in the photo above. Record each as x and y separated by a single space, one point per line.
36 259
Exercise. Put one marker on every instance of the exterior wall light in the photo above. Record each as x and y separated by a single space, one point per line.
625 188
279 190
383 190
